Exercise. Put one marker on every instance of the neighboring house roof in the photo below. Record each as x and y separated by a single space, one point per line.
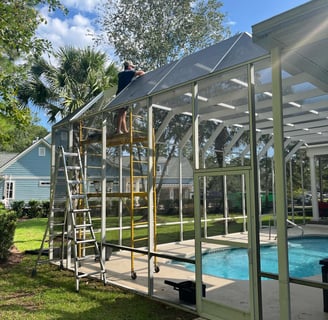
172 169
6 157
17 156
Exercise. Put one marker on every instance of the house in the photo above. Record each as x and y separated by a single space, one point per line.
26 176
176 167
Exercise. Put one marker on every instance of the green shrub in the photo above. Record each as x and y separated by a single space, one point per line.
7 231
45 209
34 209
18 207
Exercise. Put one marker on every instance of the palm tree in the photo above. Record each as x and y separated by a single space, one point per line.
80 75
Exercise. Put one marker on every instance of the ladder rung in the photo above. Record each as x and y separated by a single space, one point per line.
58 224
73 167
83 226
80 241
141 223
80 210
74 181
93 257
140 208
94 154
140 161
71 154
140 239
89 274
78 196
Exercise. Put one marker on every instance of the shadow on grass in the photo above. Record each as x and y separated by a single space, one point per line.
51 295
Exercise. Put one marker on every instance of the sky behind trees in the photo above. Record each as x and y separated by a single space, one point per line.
79 27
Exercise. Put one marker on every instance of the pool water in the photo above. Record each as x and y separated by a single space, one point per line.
304 256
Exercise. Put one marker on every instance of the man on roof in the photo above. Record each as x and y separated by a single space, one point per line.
124 78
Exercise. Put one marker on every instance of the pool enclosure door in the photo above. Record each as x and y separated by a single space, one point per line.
239 203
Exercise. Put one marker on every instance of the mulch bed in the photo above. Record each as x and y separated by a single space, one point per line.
14 257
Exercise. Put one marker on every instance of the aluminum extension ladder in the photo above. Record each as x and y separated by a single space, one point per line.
77 226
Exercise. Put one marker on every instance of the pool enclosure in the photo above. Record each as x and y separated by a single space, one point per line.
222 111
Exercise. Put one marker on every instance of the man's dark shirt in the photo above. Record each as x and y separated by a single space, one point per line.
124 78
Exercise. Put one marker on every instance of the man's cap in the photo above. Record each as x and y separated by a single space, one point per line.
128 63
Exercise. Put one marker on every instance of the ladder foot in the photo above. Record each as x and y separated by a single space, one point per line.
133 275
33 272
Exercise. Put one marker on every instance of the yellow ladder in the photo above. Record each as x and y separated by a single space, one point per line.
139 170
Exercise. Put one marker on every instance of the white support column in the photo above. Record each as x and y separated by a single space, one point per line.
70 254
120 204
180 195
52 186
281 190
291 188
204 195
253 219
103 187
315 208
197 223
151 190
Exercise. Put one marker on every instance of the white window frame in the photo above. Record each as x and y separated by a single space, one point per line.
171 193
9 190
42 151
44 183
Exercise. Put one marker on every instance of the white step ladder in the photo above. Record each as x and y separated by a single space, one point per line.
77 225
82 233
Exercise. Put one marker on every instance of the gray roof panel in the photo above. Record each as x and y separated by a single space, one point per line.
227 53
241 51
143 86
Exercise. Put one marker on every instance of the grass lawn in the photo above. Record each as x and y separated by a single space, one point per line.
51 294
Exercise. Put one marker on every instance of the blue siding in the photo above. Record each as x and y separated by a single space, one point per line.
31 164
31 190
27 172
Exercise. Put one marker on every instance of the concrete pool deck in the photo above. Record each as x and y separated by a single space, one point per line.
306 302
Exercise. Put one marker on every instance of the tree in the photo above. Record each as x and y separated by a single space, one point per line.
81 74
154 33
19 20
17 140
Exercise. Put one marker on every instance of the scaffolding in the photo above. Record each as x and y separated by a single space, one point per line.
132 193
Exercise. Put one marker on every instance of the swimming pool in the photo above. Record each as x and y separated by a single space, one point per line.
304 255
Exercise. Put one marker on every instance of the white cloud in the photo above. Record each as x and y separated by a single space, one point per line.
231 23
73 30
82 5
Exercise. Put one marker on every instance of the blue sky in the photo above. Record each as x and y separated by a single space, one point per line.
243 14
78 27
